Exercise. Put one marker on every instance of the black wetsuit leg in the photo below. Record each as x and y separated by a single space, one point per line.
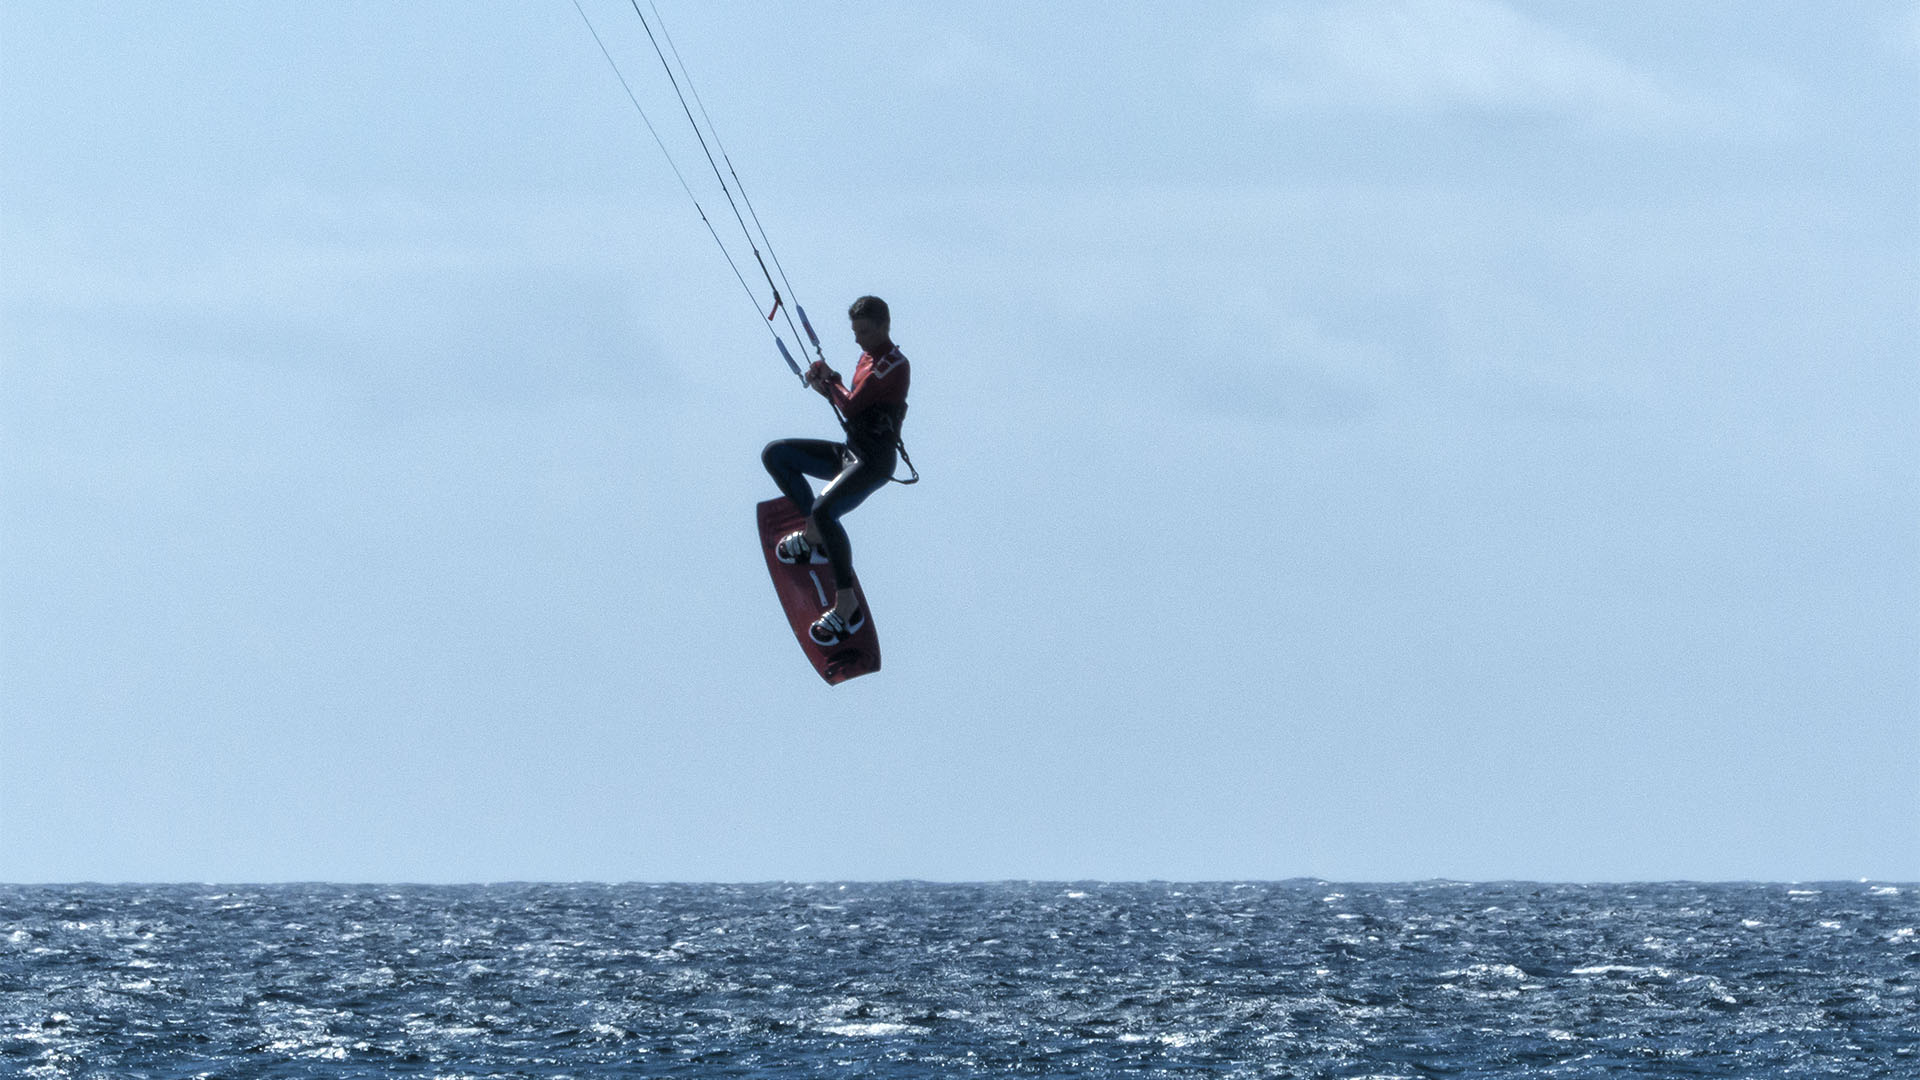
856 474
791 461
866 473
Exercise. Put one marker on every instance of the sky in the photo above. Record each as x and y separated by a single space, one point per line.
1365 439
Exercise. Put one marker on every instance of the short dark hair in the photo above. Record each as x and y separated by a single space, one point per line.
871 308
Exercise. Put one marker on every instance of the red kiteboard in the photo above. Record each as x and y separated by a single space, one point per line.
806 590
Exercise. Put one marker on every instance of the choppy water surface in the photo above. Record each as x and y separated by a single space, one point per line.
1301 978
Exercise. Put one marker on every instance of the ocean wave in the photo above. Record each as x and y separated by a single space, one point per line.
912 979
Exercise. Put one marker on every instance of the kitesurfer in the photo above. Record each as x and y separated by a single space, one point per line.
873 408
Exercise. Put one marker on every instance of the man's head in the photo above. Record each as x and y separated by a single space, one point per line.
871 323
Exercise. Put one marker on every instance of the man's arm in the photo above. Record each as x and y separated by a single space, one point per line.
824 380
885 383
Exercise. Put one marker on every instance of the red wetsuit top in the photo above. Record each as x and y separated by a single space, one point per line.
877 403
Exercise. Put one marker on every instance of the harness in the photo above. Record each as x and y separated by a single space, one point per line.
885 423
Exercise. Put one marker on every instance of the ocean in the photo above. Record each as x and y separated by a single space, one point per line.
911 979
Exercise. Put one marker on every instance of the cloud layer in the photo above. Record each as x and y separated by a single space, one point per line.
1425 57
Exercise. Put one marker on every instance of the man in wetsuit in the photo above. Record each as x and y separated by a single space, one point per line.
855 469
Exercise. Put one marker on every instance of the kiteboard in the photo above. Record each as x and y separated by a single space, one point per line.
805 590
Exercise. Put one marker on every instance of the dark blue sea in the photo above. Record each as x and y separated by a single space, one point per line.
1281 979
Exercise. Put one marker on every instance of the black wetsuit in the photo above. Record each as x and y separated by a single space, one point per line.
853 469
853 472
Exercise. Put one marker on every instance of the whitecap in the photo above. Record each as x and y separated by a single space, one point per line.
1175 1039
877 1027
1623 969
1179 1039
1486 971
1883 890
298 1047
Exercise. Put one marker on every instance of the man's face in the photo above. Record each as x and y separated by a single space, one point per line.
871 336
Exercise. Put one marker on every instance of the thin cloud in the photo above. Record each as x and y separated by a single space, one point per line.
1427 57
1903 33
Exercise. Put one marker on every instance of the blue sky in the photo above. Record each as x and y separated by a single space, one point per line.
1375 439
